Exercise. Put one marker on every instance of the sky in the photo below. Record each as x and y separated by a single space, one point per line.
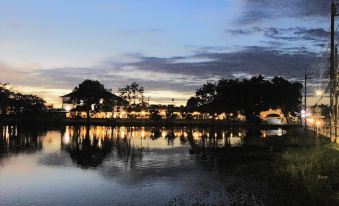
47 47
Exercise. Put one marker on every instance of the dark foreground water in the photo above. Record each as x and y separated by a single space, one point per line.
114 165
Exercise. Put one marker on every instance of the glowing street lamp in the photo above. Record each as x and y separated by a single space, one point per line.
319 92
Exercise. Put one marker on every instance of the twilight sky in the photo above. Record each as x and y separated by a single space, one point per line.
47 47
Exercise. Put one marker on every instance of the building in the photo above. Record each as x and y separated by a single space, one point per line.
112 105
273 117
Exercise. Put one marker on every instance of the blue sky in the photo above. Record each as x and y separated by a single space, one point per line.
170 47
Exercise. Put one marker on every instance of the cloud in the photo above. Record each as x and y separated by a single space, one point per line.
259 10
172 77
279 35
183 74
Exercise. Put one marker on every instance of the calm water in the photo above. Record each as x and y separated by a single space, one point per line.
112 165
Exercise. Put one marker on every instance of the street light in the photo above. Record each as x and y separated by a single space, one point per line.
319 92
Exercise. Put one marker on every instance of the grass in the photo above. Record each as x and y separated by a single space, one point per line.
300 168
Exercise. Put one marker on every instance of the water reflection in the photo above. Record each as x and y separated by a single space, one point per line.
86 147
113 165
89 147
14 140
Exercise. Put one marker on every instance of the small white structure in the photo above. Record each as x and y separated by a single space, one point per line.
273 117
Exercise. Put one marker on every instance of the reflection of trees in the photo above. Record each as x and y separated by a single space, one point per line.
91 151
14 140
88 152
209 141
156 133
195 148
170 136
183 139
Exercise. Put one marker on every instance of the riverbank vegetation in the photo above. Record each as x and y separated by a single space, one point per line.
300 168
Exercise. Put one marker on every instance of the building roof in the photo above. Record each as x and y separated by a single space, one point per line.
108 95
68 95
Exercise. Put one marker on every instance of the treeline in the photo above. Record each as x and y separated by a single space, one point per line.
248 96
17 103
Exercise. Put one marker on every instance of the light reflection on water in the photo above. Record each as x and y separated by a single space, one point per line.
110 165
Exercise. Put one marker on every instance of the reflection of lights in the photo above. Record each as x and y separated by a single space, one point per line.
235 141
239 134
143 133
264 134
185 134
99 143
163 134
66 138
280 132
196 135
143 113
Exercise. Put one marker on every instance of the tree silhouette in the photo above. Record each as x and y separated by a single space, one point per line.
5 94
247 96
90 93
132 92
19 103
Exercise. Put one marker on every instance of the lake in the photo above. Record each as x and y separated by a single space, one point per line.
101 165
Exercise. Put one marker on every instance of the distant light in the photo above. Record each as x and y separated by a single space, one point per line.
318 123
310 120
305 114
68 108
319 92
280 132
101 101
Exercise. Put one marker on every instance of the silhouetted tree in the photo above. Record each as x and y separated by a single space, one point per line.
5 94
19 103
132 92
154 115
22 103
170 113
287 95
248 96
206 93
90 92
192 103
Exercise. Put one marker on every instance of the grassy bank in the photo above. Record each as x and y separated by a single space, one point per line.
300 168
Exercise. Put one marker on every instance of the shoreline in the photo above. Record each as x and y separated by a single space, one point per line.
142 122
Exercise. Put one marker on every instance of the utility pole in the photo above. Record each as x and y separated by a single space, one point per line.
336 93
333 76
307 76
